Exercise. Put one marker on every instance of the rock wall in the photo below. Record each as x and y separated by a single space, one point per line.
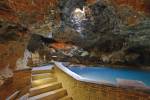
13 41
16 19
138 5
26 11
20 82
109 27
113 29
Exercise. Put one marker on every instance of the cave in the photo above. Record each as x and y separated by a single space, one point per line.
74 50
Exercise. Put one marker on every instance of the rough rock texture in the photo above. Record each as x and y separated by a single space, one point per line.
137 5
20 81
13 41
114 31
88 28
26 11
118 34
16 21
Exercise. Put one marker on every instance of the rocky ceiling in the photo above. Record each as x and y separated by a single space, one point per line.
116 30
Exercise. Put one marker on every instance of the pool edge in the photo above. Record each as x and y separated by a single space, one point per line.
80 78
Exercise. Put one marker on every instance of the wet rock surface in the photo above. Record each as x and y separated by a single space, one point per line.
91 23
117 36
106 31
13 41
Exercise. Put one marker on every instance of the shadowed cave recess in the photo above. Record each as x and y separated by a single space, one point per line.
89 32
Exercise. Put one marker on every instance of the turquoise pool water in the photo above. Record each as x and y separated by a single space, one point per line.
110 74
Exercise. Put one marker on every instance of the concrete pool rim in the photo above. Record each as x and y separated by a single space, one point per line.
82 79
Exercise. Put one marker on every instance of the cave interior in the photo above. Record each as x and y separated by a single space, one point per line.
34 33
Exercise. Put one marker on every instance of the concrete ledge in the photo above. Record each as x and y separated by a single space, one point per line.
80 78
69 72
80 89
120 84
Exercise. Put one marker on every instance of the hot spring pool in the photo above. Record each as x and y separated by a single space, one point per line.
111 75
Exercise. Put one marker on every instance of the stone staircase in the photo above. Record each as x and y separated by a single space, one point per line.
45 85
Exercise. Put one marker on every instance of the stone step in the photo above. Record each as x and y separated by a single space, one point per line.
66 98
42 76
43 81
52 95
43 69
45 88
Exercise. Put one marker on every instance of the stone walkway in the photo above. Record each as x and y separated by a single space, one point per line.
45 85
